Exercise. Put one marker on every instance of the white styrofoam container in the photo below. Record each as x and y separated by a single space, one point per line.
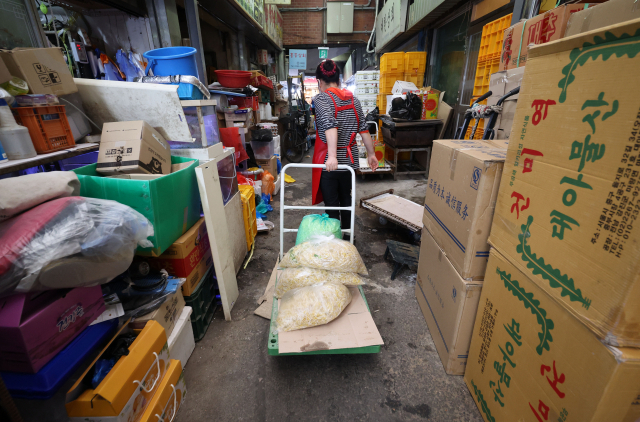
367 101
181 341
367 75
367 89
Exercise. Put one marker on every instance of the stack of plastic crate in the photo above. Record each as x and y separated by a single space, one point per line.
488 63
415 63
367 89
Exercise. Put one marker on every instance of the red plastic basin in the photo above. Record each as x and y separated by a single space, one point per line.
233 78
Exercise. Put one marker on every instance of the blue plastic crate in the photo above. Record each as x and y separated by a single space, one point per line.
189 92
44 384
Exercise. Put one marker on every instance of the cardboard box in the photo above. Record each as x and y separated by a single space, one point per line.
464 177
430 105
569 198
270 165
449 304
379 151
133 147
543 28
402 87
171 393
43 69
189 257
166 315
36 326
531 360
171 203
5 75
119 397
611 12
500 84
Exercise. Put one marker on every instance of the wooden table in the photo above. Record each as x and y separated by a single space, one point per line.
40 159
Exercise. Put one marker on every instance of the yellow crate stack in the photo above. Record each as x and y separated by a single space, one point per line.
248 198
488 63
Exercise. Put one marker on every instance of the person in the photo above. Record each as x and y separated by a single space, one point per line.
339 118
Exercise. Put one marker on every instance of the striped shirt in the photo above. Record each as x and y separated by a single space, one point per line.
346 124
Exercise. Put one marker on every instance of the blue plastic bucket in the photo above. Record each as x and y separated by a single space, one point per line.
171 61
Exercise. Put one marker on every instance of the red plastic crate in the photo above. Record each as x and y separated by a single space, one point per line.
245 102
261 82
48 127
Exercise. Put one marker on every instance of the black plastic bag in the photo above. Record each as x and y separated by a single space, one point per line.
262 135
407 109
372 116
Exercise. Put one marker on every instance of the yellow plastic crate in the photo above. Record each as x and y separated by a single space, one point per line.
492 36
381 102
418 79
481 86
479 130
247 195
388 79
415 62
392 62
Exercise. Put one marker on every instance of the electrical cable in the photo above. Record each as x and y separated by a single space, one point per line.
373 32
81 112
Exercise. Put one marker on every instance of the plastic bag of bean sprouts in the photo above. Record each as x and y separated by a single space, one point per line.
292 278
310 306
325 253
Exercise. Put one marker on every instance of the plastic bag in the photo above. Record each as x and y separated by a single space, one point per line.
325 253
292 278
310 306
408 109
69 242
268 183
314 224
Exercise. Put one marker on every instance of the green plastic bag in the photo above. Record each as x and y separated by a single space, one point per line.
313 224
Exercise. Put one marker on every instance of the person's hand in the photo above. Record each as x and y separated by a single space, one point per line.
373 162
332 164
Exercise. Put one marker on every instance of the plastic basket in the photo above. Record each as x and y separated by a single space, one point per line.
248 198
48 127
388 79
484 70
415 62
492 36
202 303
392 62
274 347
381 103
418 79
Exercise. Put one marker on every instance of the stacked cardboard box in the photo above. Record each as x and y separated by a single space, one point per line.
558 325
367 89
463 184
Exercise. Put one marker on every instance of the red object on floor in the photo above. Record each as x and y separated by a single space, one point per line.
231 139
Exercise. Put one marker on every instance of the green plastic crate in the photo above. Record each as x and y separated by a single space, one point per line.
171 202
273 347
202 303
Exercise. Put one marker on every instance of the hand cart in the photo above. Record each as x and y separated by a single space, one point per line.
272 341
364 165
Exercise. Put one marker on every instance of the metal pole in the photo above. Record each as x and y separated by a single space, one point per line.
195 37
518 11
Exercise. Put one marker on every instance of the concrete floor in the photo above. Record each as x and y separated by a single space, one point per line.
230 377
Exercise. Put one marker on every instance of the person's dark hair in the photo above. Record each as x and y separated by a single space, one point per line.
328 71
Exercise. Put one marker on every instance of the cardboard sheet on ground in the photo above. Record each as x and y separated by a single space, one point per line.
353 328
266 300
397 209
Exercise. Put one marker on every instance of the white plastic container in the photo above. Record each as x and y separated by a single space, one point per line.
15 139
181 341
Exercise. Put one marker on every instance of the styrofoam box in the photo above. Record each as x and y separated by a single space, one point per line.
367 75
367 101
367 89
181 341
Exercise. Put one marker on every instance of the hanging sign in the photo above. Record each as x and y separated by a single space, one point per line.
323 52
298 59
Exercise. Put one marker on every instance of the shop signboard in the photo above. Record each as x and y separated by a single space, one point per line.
255 9
391 22
273 24
297 59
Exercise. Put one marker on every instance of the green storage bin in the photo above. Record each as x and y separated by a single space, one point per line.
202 303
171 202
273 348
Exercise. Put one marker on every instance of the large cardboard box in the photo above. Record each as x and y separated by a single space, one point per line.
43 69
171 393
166 315
125 392
612 12
500 84
569 200
449 304
34 327
531 360
5 75
189 257
171 203
133 147
464 177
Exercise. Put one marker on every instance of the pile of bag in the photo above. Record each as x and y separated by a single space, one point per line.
312 286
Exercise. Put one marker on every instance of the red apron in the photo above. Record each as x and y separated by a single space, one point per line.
320 150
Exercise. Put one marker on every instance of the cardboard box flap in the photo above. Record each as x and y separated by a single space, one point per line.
488 154
122 131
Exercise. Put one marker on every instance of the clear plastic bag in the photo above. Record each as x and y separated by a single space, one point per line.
69 242
325 253
310 306
315 224
292 278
